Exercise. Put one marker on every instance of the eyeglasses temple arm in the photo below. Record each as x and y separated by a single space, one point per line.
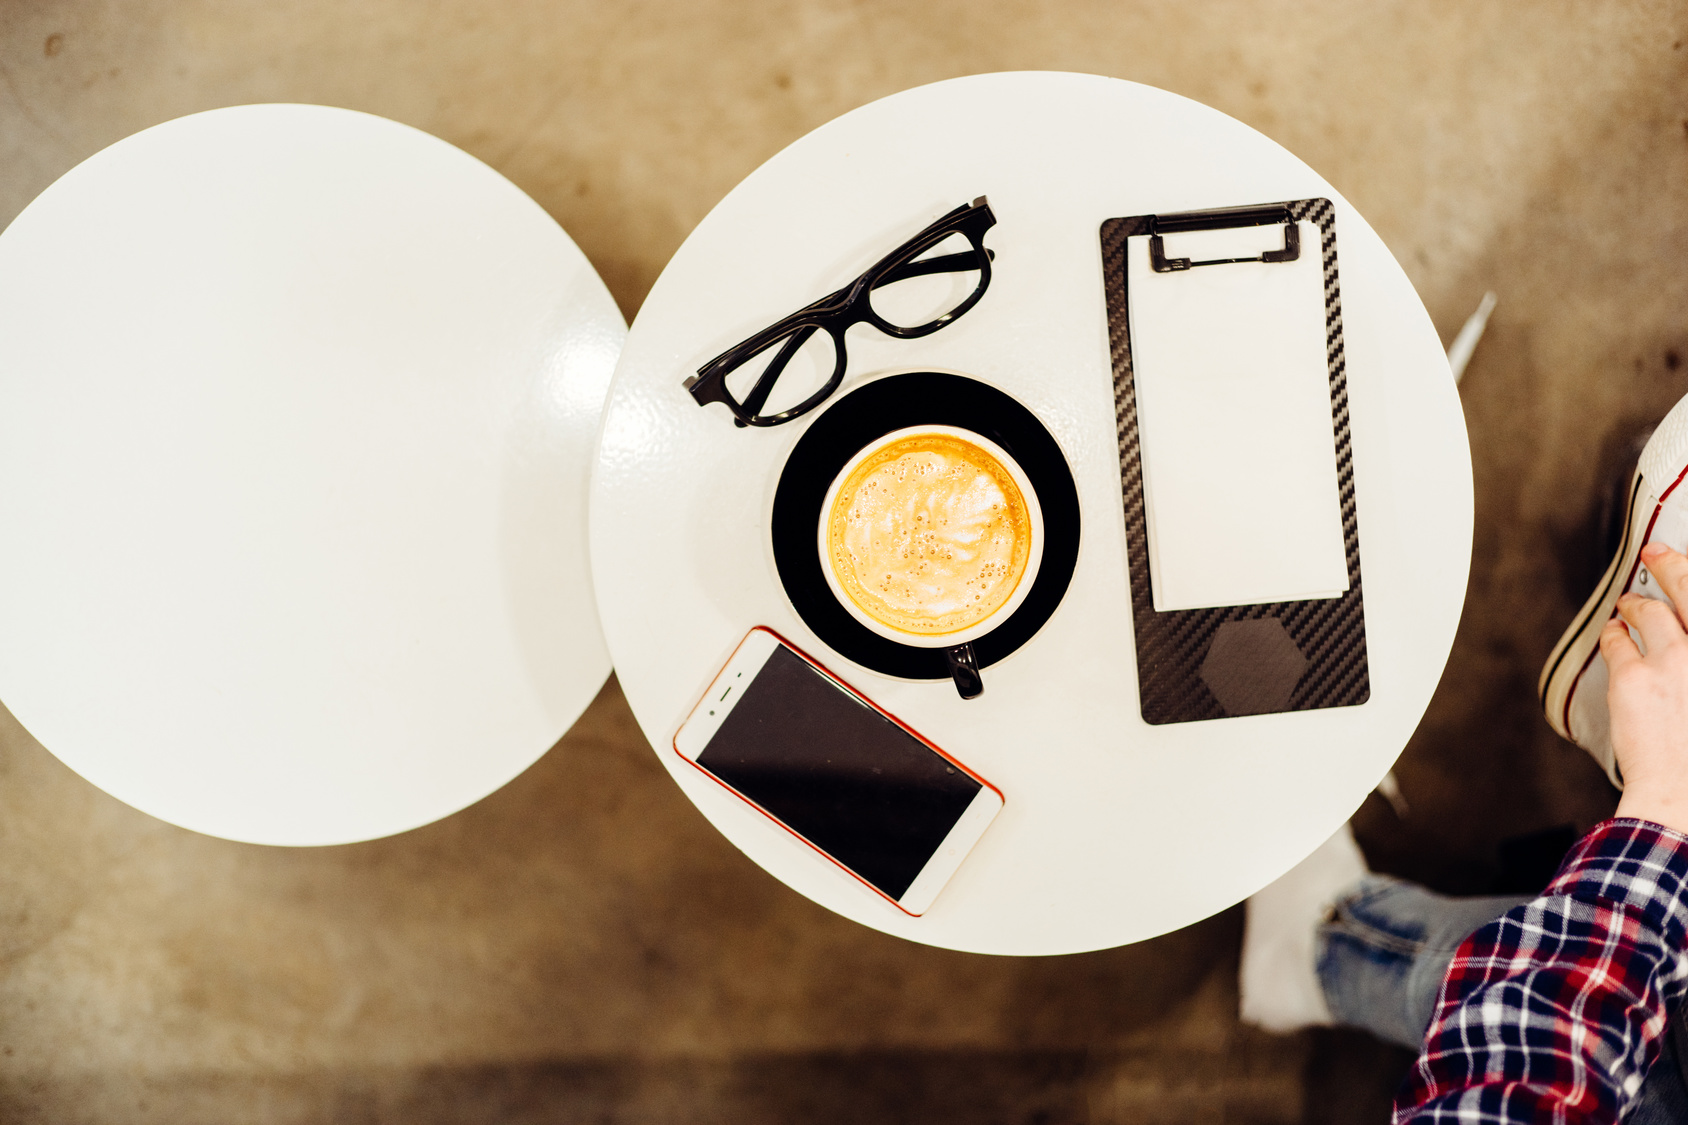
946 263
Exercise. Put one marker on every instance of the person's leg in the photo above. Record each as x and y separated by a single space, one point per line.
1384 947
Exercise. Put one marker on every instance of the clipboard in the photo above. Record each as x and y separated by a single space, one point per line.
1211 661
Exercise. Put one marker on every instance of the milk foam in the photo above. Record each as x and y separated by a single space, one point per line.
930 535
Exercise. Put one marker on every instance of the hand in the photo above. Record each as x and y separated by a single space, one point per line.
1647 696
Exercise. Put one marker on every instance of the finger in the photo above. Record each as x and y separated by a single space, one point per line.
1617 646
1657 622
1671 570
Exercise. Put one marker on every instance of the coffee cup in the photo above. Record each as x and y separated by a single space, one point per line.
931 536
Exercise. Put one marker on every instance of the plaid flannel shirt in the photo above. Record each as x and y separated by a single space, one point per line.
1554 1011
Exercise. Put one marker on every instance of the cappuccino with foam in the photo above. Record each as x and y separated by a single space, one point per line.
929 534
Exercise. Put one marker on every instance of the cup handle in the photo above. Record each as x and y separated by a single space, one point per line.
964 670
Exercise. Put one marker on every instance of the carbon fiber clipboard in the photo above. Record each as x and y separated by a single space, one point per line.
1247 659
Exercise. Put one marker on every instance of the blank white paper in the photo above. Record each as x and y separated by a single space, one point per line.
1234 421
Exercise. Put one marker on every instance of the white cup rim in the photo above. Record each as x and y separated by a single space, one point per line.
1034 559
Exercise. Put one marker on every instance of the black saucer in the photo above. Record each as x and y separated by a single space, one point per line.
898 401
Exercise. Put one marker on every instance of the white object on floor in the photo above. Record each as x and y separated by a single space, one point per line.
1279 986
1390 790
1459 352
1234 412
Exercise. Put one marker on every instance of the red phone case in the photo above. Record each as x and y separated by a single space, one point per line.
823 670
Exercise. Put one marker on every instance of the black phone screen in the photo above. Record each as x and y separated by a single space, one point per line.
839 773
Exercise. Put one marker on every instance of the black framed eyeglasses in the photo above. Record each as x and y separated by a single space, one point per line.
913 291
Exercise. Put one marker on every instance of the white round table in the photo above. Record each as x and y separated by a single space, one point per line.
296 416
1114 830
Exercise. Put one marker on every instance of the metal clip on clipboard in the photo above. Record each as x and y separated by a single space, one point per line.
1221 220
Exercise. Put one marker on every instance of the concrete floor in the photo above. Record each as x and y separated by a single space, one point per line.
582 946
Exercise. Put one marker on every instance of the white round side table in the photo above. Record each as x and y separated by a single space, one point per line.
296 413
1114 830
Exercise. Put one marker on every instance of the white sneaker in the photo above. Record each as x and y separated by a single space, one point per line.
1572 686
1278 980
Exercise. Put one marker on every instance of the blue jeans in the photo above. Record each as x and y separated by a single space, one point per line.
1385 947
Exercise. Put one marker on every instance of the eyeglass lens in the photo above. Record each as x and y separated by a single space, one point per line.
930 286
809 356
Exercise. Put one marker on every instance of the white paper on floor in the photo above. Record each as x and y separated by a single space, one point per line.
1234 420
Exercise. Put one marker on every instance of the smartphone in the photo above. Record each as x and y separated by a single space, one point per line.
838 772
